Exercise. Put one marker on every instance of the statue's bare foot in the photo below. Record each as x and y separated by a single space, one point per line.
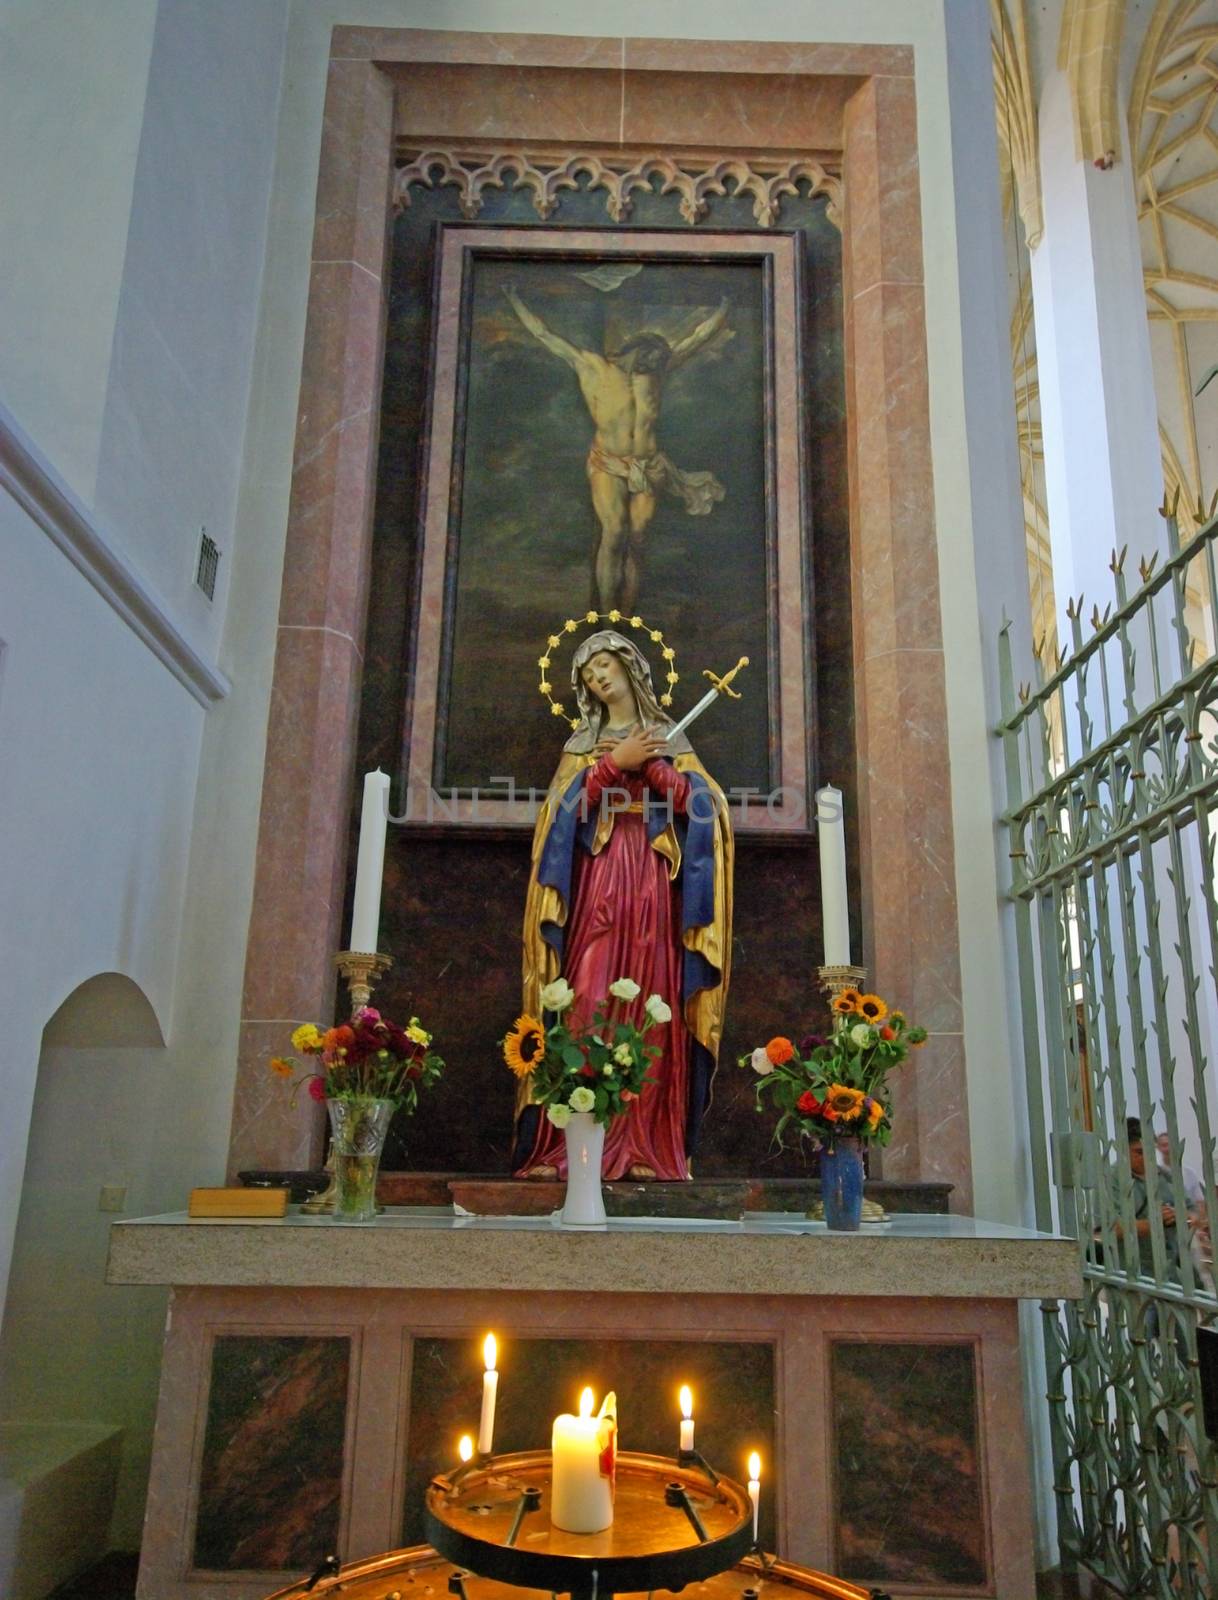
542 1174
641 1173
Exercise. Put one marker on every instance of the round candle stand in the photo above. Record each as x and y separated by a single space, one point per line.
410 1574
674 1523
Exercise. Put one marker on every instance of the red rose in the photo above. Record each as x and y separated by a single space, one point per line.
887 1033
317 1088
808 1104
587 1071
414 1072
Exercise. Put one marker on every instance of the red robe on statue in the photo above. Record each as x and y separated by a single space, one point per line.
625 922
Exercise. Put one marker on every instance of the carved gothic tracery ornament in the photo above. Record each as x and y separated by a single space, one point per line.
620 178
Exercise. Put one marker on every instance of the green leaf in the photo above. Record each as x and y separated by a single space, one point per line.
572 1057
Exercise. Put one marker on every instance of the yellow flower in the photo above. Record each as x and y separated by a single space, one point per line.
615 615
591 616
636 622
524 1045
307 1037
844 1006
873 1008
674 677
553 641
656 635
876 1113
668 652
570 625
544 687
574 721
543 662
853 996
665 699
280 1067
417 1033
556 710
845 1102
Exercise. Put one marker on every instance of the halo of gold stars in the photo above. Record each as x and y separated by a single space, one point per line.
555 640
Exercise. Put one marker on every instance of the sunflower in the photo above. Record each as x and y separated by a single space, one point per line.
844 1006
853 996
524 1045
872 1007
844 1102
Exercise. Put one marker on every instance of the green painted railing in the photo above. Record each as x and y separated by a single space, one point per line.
1112 810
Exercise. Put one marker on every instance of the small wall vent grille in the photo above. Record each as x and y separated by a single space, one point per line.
209 563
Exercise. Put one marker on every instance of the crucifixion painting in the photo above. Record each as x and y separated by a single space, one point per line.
627 469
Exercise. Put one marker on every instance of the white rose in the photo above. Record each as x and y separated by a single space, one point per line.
581 1099
607 1070
863 1034
559 1115
656 1008
623 1055
557 996
624 989
761 1062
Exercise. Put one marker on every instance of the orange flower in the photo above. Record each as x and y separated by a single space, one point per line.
876 1113
873 1008
524 1045
280 1067
779 1050
335 1039
853 996
844 1006
887 1033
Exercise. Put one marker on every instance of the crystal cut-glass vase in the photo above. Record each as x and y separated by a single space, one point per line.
358 1126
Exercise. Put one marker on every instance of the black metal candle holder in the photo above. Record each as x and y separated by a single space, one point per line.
477 1515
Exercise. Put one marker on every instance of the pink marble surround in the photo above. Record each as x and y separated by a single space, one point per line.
856 105
382 1324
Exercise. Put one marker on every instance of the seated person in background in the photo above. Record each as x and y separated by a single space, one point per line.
1193 1190
1151 1187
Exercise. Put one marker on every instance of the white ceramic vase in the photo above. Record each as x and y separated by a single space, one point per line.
584 1206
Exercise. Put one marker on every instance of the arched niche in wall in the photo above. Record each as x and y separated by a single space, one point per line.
78 1360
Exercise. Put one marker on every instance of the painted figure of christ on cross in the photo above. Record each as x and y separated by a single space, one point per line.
626 467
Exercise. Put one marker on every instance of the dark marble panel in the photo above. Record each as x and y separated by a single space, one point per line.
453 906
733 1388
271 1477
906 1463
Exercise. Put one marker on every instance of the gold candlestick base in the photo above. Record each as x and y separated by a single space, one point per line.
361 969
836 980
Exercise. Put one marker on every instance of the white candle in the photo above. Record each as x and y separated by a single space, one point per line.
370 863
687 1418
755 1488
834 904
581 1481
490 1383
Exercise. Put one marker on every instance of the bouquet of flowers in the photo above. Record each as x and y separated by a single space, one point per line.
836 1087
601 1069
368 1058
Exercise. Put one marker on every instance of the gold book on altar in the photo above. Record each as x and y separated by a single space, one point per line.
238 1203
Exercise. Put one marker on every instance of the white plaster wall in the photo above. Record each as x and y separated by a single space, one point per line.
173 429
72 83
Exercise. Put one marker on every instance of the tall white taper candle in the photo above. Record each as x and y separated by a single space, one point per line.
687 1417
490 1384
755 1488
834 905
370 864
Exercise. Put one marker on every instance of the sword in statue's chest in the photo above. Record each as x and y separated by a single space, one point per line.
719 685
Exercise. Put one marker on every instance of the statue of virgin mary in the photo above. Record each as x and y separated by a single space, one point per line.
631 877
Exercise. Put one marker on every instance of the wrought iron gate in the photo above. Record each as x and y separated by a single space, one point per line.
1112 810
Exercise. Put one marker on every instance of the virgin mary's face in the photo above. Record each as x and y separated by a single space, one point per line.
606 677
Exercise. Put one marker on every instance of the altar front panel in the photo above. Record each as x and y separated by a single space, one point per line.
946 1484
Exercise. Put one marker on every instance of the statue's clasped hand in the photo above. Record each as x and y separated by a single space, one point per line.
634 751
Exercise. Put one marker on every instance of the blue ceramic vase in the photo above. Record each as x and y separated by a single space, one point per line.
841 1184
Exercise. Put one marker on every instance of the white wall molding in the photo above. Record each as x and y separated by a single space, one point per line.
43 495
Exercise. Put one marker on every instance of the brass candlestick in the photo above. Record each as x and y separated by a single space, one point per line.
361 969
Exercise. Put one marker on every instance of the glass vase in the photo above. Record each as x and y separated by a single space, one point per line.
584 1206
358 1126
841 1183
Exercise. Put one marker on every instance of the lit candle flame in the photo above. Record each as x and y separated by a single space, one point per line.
585 1403
755 1466
489 1351
687 1401
466 1448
